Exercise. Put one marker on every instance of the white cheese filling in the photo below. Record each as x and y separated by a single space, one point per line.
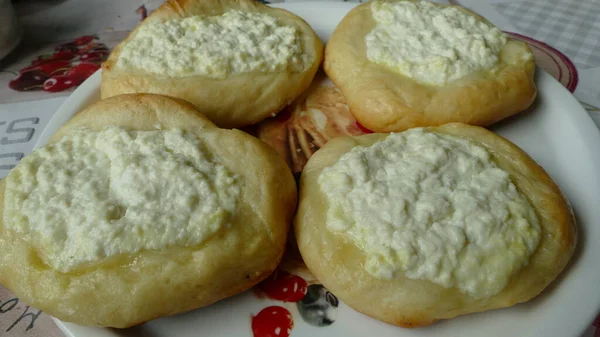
431 44
433 207
215 46
94 195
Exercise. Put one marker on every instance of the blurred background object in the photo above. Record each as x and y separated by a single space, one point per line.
10 28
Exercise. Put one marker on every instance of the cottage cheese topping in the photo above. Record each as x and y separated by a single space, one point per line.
215 46
432 207
431 44
94 195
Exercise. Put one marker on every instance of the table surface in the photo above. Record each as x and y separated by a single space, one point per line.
564 34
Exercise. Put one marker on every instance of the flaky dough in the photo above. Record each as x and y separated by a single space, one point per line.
136 288
383 100
338 263
236 101
319 114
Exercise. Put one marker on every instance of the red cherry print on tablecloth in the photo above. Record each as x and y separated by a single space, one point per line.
283 286
273 321
49 68
30 80
362 128
59 83
93 47
82 71
59 55
93 55
62 55
42 59
83 40
97 60
70 64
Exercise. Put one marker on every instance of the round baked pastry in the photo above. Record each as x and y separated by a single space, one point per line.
139 208
237 61
404 64
431 223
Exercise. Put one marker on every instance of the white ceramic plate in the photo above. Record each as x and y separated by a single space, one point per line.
557 133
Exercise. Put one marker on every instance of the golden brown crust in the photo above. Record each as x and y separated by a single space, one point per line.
235 101
337 263
129 290
383 100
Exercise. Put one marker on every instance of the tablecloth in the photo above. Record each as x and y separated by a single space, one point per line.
565 35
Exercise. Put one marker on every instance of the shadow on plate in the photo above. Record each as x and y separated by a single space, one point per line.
136 331
530 112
